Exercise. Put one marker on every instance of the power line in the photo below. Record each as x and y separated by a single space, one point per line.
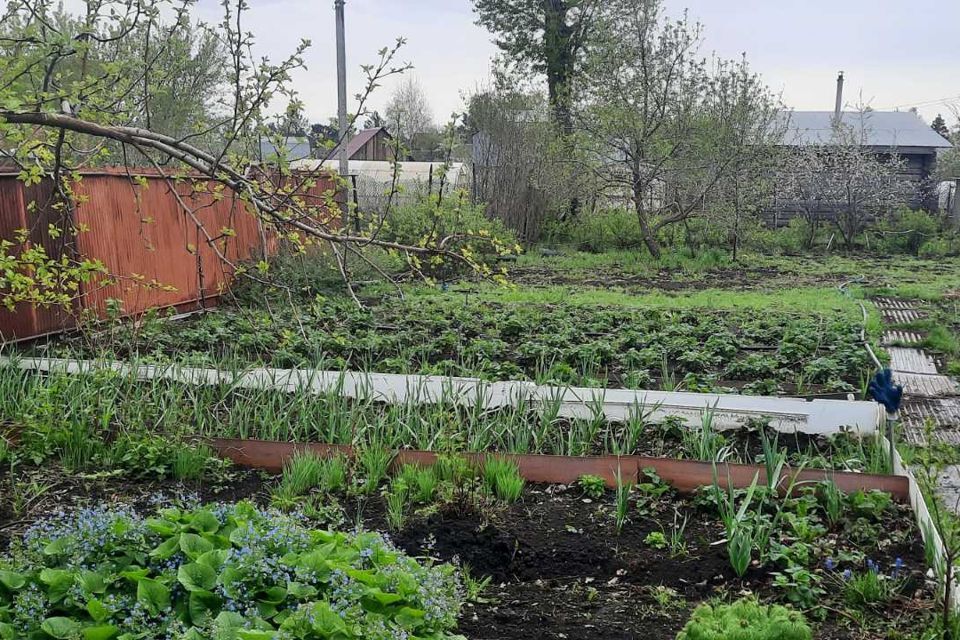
928 103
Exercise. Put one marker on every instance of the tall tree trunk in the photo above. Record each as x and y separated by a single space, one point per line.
646 229
558 45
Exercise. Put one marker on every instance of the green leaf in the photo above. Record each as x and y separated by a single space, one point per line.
12 580
6 631
214 559
201 605
58 546
377 601
101 632
300 591
162 527
97 610
253 634
204 522
92 582
325 621
409 617
197 577
273 595
166 549
60 628
58 582
193 545
153 595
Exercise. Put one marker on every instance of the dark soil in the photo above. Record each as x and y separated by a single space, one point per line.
558 568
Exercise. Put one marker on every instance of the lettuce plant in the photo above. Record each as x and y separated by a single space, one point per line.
217 573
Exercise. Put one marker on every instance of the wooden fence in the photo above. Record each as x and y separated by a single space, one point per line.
158 254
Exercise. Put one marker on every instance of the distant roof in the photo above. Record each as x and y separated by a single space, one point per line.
356 142
880 128
382 170
297 148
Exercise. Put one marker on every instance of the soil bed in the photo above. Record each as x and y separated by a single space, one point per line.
558 568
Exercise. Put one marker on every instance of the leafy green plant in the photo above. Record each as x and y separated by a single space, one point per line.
374 461
832 499
869 504
191 462
592 486
800 585
622 502
398 500
502 478
656 539
736 522
333 472
232 571
301 473
774 459
745 619
704 443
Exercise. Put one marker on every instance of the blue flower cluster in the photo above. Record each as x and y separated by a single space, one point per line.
189 569
896 570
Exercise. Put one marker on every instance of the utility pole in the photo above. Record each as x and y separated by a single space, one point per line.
342 104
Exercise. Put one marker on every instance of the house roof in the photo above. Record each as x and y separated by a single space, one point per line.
382 170
880 128
297 148
356 142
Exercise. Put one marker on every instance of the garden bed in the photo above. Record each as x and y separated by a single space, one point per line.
560 569
703 349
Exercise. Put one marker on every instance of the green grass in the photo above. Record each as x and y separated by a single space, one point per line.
822 300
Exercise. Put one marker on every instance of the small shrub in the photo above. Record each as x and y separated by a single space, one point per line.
906 231
426 222
745 619
604 230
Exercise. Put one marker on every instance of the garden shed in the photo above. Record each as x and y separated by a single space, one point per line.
899 133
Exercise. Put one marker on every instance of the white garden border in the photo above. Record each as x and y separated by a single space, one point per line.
728 411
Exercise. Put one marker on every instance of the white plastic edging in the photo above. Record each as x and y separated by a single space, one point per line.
928 528
728 411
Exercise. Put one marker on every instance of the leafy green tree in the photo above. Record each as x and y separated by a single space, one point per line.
548 36
138 82
660 124
940 126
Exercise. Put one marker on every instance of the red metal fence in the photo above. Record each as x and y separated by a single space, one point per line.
157 253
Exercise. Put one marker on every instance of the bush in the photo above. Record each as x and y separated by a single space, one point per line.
600 231
940 247
427 222
228 571
745 619
906 231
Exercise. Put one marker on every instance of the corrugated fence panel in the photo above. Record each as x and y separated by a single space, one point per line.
16 214
158 253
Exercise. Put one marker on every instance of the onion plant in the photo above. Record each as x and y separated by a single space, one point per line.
622 504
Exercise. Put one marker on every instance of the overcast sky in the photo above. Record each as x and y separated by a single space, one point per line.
893 52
